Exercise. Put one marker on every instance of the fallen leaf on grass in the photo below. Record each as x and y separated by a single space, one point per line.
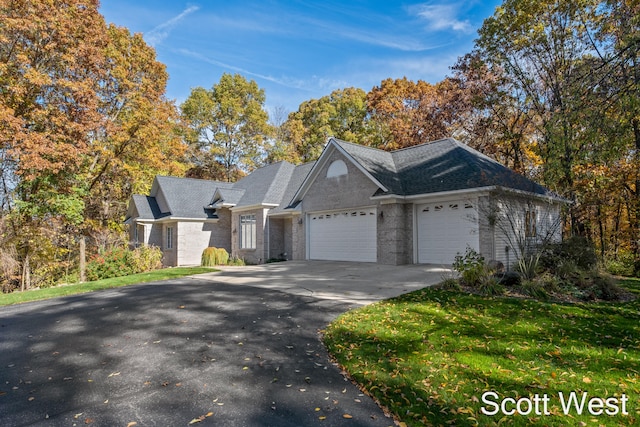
586 380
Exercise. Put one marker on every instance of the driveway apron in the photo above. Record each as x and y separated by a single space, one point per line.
197 350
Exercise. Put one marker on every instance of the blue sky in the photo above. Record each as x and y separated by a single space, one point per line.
299 50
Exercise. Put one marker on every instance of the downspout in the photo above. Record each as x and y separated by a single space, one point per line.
267 231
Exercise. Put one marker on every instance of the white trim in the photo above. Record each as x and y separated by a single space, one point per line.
285 214
254 207
481 191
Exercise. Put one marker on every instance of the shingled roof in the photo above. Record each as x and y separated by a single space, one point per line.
438 166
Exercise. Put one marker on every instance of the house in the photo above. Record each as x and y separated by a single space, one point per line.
422 204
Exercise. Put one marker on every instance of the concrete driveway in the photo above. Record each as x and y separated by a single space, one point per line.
235 348
351 282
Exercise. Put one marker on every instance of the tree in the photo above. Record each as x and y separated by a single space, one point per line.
411 113
540 45
51 64
490 118
342 114
228 127
139 137
83 123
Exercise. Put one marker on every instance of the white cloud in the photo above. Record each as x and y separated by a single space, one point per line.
161 32
443 17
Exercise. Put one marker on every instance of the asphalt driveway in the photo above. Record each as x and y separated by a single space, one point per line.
235 348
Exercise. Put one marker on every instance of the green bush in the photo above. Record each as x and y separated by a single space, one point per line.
621 265
604 288
471 267
534 289
147 258
114 262
577 249
119 261
209 257
529 266
235 261
214 256
490 285
223 256
450 284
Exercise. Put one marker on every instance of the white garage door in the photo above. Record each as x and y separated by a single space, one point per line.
343 236
444 229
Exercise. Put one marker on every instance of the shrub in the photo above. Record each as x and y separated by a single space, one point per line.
214 256
223 256
471 267
534 289
489 285
509 278
549 282
529 266
209 257
621 265
235 261
114 262
147 258
604 288
450 284
577 249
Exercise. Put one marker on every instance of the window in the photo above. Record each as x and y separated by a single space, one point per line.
530 223
247 231
336 169
169 237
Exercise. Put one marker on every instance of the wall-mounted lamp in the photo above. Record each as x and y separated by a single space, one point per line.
299 221
381 215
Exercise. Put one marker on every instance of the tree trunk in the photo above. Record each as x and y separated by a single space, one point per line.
83 264
26 274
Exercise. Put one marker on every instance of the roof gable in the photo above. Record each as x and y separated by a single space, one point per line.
187 197
265 186
372 163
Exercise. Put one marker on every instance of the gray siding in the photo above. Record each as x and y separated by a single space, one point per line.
346 191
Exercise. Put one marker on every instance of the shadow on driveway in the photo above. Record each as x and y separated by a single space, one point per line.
167 353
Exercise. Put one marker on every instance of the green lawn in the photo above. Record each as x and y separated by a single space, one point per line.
79 288
430 356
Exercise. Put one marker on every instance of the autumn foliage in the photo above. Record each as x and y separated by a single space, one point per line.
84 123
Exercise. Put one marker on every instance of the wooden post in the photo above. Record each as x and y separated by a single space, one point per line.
83 263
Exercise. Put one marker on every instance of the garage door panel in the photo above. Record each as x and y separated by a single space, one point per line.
444 230
343 236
